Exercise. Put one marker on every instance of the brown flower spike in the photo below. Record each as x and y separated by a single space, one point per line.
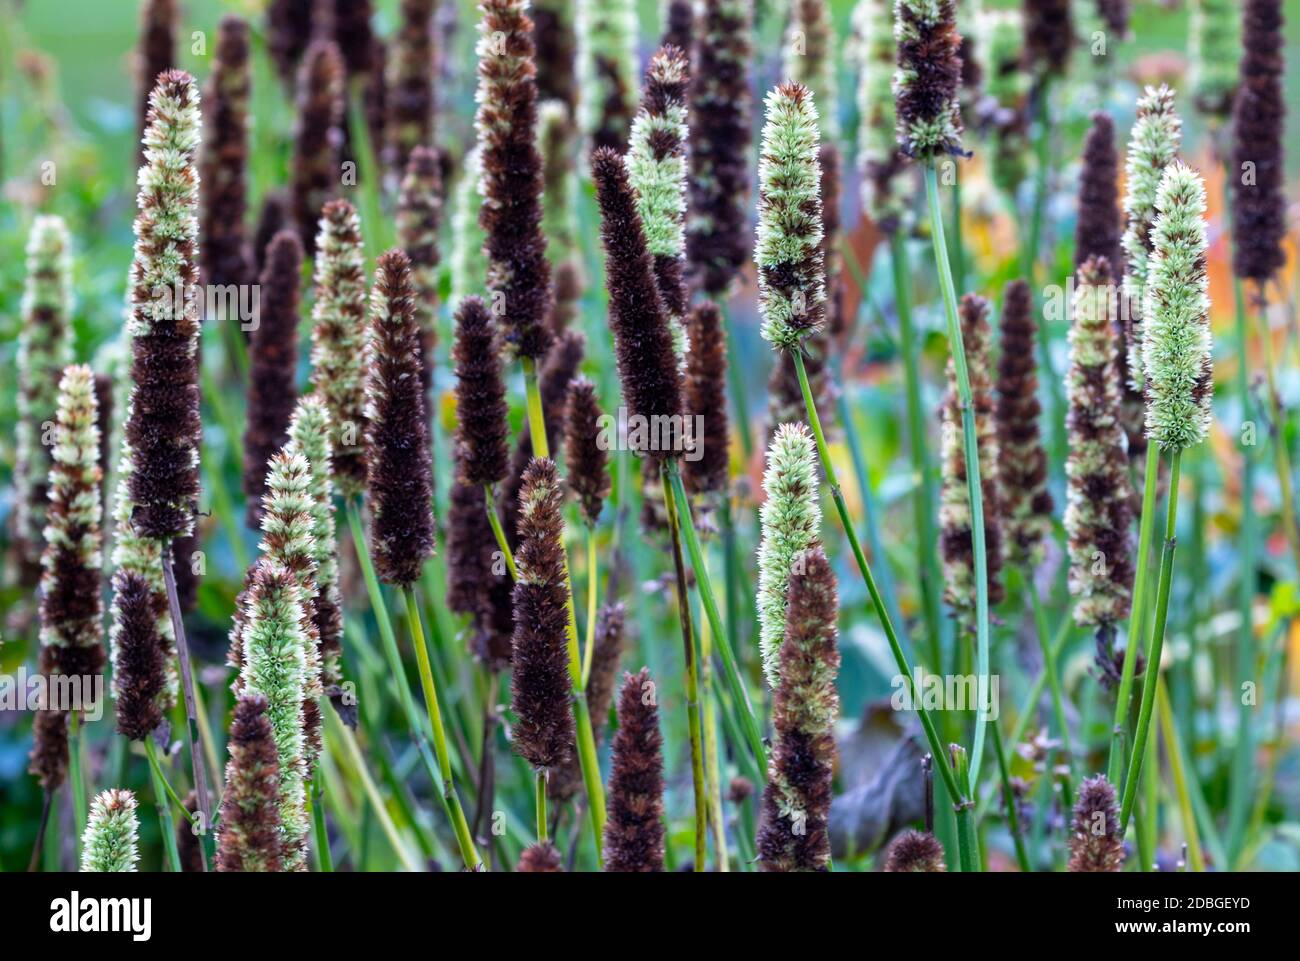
557 51
419 215
511 215
1259 117
249 839
1098 230
482 432
647 364
706 397
223 178
139 671
915 851
155 56
400 469
634 832
318 138
1096 841
587 461
409 82
540 685
793 833
272 367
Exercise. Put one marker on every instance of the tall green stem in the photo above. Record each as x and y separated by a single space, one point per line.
968 845
316 797
494 521
77 777
692 685
1157 643
463 838
539 796
166 824
1195 859
924 498
970 452
1137 614
1009 799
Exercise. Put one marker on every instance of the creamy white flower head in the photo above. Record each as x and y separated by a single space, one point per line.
110 842
1176 337
791 524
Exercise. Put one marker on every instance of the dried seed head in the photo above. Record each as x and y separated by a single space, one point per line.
586 459
955 519
1096 841
647 363
482 434
410 74
275 668
706 397
928 75
540 684
341 342
48 758
163 430
400 469
717 222
1022 472
557 52
1098 510
793 835
541 858
1097 232
44 349
884 195
272 367
139 679
1176 338
1214 50
788 252
607 58
915 851
318 137
791 526
1152 146
1049 36
1259 204
249 836
223 178
634 832
511 215
111 839
419 216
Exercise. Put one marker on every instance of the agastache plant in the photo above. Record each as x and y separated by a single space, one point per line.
249 836
411 67
1214 49
557 52
318 137
1096 838
44 349
879 160
111 842
223 177
155 55
915 852
340 341
809 56
927 78
634 834
419 215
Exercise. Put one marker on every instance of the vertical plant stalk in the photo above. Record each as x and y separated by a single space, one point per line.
316 802
586 738
163 804
539 794
1195 859
1137 616
463 838
192 735
692 685
1050 672
970 453
968 845
1156 644
1009 799
924 499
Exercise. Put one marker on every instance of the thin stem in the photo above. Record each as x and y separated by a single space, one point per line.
705 589
539 794
192 736
692 685
466 843
923 496
316 797
1053 676
77 777
736 381
593 585
160 791
1156 646
1195 859
1137 614
970 453
968 849
712 765
1009 799
344 734
828 468
489 498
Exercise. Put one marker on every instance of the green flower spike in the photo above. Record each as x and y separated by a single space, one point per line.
111 839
